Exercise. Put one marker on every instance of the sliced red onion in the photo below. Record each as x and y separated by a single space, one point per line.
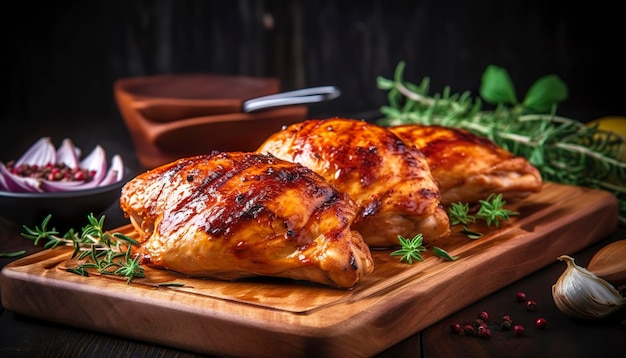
95 161
54 186
19 184
115 173
40 153
43 152
68 154
3 182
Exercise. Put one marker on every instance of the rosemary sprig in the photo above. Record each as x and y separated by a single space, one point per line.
108 253
563 150
410 249
12 254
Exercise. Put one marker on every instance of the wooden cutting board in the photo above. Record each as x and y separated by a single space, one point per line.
276 317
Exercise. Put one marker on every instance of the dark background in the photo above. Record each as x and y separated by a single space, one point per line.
62 58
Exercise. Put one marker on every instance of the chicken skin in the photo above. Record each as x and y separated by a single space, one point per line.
389 181
230 215
469 168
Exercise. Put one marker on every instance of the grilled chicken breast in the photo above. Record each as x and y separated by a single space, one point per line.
390 181
468 168
233 215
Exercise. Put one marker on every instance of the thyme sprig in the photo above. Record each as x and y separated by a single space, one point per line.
563 150
108 253
410 249
491 210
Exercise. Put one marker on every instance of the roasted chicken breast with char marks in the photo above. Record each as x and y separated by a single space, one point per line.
389 180
231 215
467 167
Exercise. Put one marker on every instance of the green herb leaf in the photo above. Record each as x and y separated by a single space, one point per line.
171 284
458 214
492 210
439 252
474 235
545 93
410 249
12 254
497 86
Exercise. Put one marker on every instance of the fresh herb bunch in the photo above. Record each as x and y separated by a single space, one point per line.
108 253
491 210
563 150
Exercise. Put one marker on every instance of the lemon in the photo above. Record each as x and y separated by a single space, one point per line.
615 124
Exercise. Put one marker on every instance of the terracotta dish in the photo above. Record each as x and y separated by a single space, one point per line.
174 116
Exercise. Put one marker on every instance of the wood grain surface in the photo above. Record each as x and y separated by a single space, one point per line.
276 317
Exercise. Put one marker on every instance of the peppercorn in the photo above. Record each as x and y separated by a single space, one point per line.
518 330
51 172
455 328
484 332
521 296
483 315
506 325
479 322
531 305
468 330
541 323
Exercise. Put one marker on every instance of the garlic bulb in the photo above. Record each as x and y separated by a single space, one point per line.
580 293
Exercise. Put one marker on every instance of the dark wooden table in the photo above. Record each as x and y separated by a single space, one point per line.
22 336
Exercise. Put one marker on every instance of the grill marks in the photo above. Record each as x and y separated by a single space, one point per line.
223 191
231 215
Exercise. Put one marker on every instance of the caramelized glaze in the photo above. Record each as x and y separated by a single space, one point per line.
390 181
233 214
468 168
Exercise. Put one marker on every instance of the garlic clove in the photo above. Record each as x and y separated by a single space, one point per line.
580 293
609 263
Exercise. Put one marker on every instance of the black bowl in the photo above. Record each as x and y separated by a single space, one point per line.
69 209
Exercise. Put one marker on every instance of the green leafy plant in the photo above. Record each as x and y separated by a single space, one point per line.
439 252
108 253
563 150
410 249
491 210
458 213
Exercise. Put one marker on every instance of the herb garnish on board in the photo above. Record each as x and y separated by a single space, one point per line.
108 253
563 150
